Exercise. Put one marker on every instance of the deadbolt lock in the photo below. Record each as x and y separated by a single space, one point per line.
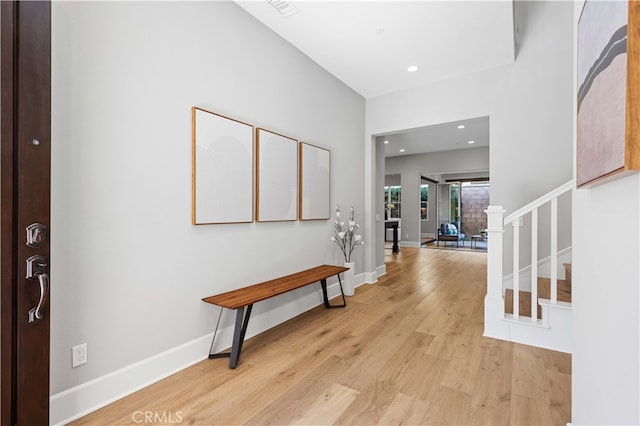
36 235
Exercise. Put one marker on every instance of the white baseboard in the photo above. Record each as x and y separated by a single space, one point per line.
368 278
544 271
381 270
412 244
553 331
87 397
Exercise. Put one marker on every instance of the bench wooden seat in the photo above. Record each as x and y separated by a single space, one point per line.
245 297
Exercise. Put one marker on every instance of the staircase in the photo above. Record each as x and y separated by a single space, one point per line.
515 309
544 293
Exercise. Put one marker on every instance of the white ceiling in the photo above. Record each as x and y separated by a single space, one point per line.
439 137
368 45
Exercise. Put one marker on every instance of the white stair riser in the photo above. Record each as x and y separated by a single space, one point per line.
552 332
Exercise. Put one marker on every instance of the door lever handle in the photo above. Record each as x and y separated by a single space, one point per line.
36 314
37 270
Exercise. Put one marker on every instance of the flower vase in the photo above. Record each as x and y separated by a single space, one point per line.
348 284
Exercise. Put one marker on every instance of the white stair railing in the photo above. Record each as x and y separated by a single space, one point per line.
494 301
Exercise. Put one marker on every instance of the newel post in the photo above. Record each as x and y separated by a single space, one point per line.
494 325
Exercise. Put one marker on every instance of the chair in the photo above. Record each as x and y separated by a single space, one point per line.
449 232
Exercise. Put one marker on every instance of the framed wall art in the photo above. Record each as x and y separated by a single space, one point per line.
608 128
277 177
315 179
222 169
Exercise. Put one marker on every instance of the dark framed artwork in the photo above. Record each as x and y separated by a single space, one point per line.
315 179
222 169
608 144
277 177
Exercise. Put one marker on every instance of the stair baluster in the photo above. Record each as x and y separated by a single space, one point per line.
516 267
534 265
554 250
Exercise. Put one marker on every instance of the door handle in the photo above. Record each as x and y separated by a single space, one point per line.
37 270
36 314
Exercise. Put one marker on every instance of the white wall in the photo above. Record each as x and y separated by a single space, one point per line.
531 149
460 98
392 180
128 268
529 104
531 133
606 301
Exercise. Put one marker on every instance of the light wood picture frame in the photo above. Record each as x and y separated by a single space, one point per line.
277 177
608 127
222 169
315 182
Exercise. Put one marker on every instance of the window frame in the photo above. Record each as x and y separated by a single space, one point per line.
396 202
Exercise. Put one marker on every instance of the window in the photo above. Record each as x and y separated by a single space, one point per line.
424 202
392 202
454 197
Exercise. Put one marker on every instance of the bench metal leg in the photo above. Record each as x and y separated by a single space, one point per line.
325 296
215 332
239 332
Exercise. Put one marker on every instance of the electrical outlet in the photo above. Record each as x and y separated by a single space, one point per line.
79 355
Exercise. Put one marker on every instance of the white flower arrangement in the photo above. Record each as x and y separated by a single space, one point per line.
344 235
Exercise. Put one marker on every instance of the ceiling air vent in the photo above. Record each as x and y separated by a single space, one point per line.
283 7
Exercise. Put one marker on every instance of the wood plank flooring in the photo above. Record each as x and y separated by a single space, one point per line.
407 350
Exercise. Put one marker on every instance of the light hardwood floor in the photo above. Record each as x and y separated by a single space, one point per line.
407 350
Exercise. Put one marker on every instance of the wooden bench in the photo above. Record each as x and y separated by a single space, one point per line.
245 297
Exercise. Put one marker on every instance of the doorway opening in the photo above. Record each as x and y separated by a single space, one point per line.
461 206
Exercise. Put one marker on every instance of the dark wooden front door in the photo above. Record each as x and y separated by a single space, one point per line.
25 157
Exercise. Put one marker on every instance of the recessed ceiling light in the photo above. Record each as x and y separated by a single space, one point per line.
386 141
461 126
412 68
402 150
470 142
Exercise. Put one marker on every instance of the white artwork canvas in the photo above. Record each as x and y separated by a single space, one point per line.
315 178
222 181
277 177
